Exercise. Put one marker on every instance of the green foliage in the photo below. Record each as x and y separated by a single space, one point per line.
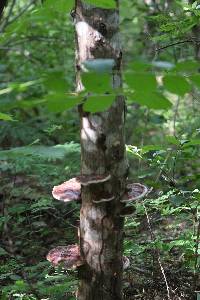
153 100
39 140
5 117
103 3
176 84
98 103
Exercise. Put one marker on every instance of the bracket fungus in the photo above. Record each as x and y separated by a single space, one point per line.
86 180
134 191
106 198
127 211
68 256
68 191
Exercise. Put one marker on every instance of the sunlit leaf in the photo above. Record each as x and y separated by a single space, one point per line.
93 82
103 3
141 82
139 66
55 81
5 117
98 103
194 142
154 100
195 79
61 5
61 102
176 84
187 66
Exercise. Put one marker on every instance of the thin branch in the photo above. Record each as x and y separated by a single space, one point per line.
178 43
157 252
175 116
6 20
22 12
197 247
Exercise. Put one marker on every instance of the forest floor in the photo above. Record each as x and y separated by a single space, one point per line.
180 285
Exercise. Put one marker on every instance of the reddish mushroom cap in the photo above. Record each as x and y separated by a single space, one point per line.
91 179
68 191
69 256
134 192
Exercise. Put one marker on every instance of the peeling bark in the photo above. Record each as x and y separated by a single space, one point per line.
103 152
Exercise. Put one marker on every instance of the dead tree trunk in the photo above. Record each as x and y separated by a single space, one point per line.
103 153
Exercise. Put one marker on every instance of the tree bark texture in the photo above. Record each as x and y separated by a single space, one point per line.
103 152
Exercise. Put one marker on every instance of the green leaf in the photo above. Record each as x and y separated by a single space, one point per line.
6 91
195 79
93 82
29 103
154 100
3 252
50 153
103 3
172 140
61 102
16 86
98 103
177 200
147 148
187 66
139 66
55 81
194 142
5 117
176 84
141 81
60 6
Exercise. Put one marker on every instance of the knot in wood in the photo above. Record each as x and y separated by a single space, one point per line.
102 28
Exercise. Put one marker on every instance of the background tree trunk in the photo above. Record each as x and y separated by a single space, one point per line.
103 152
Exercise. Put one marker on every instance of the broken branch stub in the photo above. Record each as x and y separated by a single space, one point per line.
68 191
134 191
86 180
68 256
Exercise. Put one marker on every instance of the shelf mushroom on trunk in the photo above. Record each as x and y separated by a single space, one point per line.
134 191
68 191
68 256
